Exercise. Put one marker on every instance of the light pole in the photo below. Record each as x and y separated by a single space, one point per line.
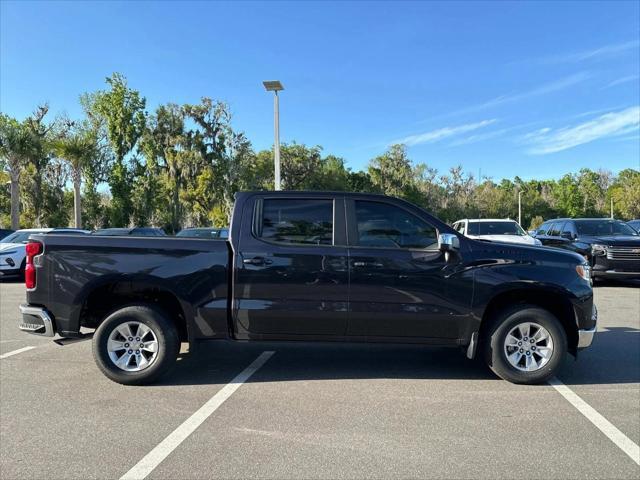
520 207
611 207
275 86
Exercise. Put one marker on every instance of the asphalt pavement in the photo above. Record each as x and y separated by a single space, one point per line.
319 410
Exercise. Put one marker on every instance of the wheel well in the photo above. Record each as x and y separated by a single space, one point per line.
108 298
559 305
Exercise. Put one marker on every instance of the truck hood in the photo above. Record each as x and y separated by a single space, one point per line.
521 251
525 240
613 240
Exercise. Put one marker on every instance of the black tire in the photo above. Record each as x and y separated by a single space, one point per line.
494 351
23 266
163 329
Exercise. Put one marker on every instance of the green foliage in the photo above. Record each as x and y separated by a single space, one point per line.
93 211
5 199
392 173
120 111
625 193
181 166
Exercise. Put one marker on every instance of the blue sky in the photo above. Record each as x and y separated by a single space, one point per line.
512 88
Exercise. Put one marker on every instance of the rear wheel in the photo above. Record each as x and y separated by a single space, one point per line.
135 345
525 344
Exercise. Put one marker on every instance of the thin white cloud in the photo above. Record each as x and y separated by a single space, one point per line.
598 53
479 137
442 133
620 81
543 89
610 124
629 138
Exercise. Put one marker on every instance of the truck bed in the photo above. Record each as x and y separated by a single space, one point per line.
85 272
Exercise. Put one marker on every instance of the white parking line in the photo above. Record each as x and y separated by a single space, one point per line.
145 466
623 442
15 352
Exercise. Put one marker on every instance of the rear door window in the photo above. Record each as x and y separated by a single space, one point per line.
296 221
555 229
569 229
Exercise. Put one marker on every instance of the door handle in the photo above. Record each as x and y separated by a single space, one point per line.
368 264
257 261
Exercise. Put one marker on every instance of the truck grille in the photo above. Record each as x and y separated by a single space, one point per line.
623 253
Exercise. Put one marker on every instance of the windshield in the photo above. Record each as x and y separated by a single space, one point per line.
495 228
18 237
604 227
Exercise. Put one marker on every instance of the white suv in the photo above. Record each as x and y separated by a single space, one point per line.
495 230
12 248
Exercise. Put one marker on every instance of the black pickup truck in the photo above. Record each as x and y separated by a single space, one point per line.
312 266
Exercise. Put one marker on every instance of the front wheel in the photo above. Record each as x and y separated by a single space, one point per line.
135 345
525 344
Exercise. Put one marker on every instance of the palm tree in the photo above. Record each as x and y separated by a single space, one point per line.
15 148
79 148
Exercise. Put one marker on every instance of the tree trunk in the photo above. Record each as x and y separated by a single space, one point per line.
77 207
15 201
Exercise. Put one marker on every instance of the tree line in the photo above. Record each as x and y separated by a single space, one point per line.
180 166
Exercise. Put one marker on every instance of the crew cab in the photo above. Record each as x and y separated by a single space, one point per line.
312 266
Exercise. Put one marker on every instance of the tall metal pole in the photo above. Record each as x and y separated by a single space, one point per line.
611 207
520 207
276 143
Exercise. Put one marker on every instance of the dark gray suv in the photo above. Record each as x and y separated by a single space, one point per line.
611 246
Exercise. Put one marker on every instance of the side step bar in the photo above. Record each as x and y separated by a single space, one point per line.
68 340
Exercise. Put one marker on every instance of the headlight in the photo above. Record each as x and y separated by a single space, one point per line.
598 250
584 271
537 242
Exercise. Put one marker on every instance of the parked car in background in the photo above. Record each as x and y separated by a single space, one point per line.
12 248
635 224
611 246
5 232
495 230
131 232
204 233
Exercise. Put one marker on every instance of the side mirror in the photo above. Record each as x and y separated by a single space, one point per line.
567 235
448 242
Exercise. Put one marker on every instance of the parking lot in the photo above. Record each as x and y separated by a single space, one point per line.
320 410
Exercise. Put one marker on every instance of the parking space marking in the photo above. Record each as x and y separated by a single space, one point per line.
623 442
145 466
15 352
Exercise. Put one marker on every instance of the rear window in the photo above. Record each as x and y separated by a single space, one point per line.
494 228
604 227
297 221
